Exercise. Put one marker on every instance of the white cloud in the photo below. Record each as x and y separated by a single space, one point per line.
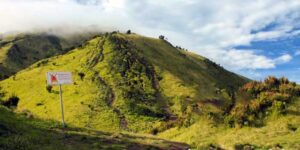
235 59
297 53
28 15
283 59
211 28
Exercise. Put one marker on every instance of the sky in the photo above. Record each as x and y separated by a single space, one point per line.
254 38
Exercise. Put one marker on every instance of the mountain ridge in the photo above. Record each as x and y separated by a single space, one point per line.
137 85
131 83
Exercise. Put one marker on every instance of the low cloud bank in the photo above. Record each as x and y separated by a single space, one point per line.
209 28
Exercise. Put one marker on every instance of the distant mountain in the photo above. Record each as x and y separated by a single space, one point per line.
20 51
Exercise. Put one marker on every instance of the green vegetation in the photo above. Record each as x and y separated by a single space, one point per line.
124 83
265 115
129 83
282 132
22 132
261 99
49 88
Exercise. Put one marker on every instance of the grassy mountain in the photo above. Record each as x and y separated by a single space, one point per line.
124 82
20 51
131 83
21 132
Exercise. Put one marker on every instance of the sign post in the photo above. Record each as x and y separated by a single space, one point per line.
60 78
62 106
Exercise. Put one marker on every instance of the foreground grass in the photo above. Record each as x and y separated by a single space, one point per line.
19 131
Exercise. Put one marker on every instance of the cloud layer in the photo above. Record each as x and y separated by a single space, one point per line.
211 28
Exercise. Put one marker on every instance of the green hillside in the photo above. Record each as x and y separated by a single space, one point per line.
130 83
20 51
21 132
127 84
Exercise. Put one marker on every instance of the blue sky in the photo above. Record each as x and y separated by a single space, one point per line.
274 48
255 38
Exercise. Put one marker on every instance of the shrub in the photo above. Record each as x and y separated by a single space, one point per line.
114 32
81 75
271 82
12 101
229 120
161 37
239 111
254 106
278 106
2 94
253 88
128 32
288 89
49 88
154 131
271 95
284 80
240 114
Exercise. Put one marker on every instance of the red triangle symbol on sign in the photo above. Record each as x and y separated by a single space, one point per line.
53 78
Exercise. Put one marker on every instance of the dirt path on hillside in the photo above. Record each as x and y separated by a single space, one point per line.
99 56
110 102
110 99
155 83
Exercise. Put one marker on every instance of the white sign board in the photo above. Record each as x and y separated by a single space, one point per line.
59 78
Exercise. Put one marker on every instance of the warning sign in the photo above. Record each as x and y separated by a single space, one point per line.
59 78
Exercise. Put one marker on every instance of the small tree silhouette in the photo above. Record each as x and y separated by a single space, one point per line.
12 101
49 88
81 75
161 37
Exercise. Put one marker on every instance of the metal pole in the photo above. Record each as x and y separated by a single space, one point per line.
62 106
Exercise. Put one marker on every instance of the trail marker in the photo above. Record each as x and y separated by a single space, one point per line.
60 78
